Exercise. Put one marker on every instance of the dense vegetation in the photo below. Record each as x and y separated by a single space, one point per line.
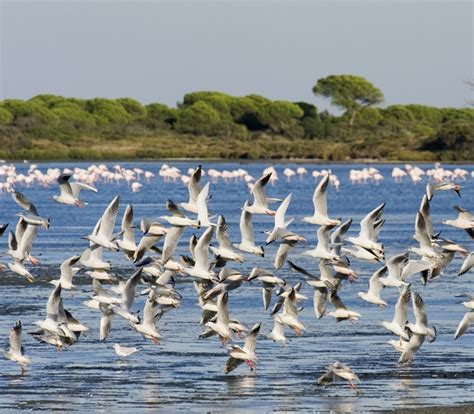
218 125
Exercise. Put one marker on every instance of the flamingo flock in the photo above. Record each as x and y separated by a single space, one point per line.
136 177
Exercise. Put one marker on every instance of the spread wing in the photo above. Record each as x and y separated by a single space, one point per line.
77 187
258 190
107 221
320 198
24 203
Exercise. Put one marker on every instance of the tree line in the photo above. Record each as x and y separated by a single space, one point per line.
216 124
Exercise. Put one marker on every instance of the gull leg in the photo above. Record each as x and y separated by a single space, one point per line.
34 261
79 204
155 340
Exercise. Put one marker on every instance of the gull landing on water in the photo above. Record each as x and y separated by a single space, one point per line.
69 192
15 350
238 355
338 370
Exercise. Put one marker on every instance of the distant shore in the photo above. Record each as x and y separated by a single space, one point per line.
242 161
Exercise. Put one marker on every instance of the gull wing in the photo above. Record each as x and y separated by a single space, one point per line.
289 305
222 309
259 192
231 364
421 231
375 285
77 187
201 251
173 208
66 267
467 264
127 224
52 306
221 233
464 325
368 222
193 186
15 338
336 301
464 214
107 221
201 202
24 203
128 294
419 309
171 241
281 211
246 226
251 338
320 197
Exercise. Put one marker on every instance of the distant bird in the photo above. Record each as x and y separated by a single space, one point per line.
69 192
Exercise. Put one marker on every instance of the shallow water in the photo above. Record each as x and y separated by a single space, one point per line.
185 373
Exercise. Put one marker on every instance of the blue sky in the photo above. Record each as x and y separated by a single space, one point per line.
415 51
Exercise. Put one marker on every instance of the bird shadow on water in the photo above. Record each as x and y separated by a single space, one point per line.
13 379
240 385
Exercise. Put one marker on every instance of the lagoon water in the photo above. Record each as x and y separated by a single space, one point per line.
185 373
